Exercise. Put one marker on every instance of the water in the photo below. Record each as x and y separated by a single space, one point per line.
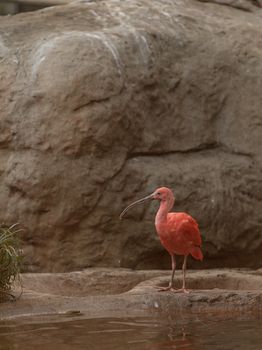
133 334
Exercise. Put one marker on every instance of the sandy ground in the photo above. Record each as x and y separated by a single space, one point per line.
103 292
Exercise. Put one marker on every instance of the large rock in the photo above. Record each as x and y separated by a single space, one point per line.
102 102
106 293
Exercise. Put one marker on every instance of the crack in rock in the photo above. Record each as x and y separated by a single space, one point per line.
244 5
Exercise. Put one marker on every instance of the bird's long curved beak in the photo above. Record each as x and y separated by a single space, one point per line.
142 200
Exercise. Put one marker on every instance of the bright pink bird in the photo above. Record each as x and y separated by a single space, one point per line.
178 232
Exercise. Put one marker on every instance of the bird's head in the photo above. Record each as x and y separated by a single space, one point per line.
161 194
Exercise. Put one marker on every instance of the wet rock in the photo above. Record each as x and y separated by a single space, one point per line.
102 102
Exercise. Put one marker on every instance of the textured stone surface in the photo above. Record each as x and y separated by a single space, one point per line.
102 102
102 292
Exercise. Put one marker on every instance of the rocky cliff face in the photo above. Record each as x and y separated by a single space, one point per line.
102 102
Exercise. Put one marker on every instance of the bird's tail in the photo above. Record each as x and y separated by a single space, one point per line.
196 253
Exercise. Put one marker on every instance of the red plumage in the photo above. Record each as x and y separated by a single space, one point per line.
180 235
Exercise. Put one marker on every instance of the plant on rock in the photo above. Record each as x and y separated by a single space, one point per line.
10 260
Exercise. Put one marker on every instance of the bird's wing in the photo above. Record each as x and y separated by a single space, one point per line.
187 227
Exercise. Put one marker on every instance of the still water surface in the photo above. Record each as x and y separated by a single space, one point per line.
133 334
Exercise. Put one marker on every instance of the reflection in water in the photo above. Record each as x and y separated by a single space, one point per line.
174 343
133 334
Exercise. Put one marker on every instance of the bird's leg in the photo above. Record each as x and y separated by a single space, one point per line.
173 270
184 273
183 289
170 286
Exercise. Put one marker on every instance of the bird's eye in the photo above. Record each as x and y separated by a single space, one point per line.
158 193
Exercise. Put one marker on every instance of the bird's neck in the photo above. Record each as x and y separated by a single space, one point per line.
165 207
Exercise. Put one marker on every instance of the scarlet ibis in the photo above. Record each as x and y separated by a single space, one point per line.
178 232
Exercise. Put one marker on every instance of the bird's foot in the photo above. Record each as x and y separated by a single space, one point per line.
166 289
182 290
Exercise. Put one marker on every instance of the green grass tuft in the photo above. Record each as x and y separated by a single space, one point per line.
10 260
